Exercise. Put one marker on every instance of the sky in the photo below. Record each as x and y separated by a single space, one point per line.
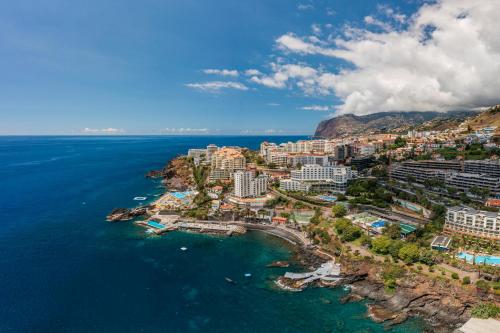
238 67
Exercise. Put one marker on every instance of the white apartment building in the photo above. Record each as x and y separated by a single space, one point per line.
319 178
469 221
211 149
197 153
312 172
247 185
294 185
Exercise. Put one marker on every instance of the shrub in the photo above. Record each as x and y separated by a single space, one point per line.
351 233
466 280
485 311
482 285
342 224
409 253
419 267
381 244
339 210
454 276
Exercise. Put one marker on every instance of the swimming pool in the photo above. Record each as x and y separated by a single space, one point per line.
180 195
328 198
378 224
156 225
488 260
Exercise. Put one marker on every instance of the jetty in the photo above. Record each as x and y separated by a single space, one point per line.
329 272
160 224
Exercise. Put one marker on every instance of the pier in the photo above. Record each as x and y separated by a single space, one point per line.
329 272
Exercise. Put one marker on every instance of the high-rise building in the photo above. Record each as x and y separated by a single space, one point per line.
247 185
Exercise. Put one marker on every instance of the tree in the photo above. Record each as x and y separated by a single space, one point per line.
392 231
427 257
454 276
339 210
409 253
381 244
351 233
466 280
341 225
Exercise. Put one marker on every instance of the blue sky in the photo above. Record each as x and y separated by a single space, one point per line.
143 67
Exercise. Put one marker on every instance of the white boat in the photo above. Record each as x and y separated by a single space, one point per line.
184 248
248 275
140 198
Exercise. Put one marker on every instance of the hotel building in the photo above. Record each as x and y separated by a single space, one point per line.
246 185
469 221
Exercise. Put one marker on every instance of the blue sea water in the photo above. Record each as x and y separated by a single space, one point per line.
64 269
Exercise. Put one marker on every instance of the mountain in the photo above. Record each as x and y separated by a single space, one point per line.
488 118
392 122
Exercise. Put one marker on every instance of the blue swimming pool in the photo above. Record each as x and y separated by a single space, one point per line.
488 260
328 198
180 195
156 225
378 224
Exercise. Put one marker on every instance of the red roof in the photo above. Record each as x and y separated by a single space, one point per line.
493 203
280 219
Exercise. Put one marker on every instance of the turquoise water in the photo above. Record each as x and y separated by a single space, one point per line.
63 268
156 225
181 195
488 260
378 224
328 198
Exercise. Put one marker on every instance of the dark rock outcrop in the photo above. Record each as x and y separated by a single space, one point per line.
125 214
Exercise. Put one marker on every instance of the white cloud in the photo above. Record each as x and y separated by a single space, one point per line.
252 72
316 29
303 6
285 73
222 72
108 130
446 57
217 86
187 130
316 108
375 22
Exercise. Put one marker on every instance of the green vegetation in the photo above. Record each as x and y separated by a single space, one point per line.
390 273
392 230
466 280
409 253
398 143
368 192
381 245
339 210
278 201
346 230
454 276
485 311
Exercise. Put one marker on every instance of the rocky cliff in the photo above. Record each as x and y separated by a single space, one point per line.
396 122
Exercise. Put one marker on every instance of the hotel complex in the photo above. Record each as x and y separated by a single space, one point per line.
469 221
318 178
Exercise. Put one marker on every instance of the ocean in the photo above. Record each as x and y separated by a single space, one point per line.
63 268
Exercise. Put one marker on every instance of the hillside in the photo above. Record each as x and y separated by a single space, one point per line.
392 122
489 118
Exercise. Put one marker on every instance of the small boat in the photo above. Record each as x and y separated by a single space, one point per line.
229 280
248 275
140 198
184 248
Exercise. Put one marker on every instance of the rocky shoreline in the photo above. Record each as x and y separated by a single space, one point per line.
444 306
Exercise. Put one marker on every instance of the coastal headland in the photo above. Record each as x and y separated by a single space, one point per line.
199 198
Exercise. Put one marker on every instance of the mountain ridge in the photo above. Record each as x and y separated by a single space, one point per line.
382 122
